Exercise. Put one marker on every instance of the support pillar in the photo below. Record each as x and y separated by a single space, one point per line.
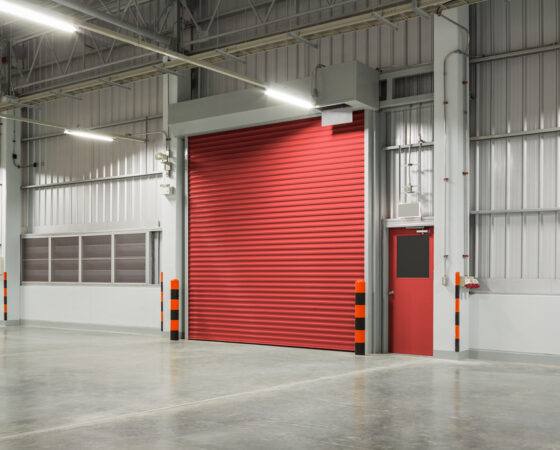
172 210
10 144
451 203
374 205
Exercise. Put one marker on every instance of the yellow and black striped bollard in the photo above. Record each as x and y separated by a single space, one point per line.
457 312
174 310
5 295
360 318
161 299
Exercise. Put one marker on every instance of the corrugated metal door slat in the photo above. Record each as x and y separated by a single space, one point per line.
276 234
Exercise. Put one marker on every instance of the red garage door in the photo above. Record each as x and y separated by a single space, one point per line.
276 234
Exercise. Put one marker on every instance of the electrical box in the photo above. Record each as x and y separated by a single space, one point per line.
408 210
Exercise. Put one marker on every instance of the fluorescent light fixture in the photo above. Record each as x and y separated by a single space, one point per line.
88 135
34 14
289 98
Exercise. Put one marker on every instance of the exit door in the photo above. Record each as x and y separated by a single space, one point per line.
411 254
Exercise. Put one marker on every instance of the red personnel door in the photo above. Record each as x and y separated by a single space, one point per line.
411 306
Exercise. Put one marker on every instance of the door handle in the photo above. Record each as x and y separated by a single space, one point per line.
390 292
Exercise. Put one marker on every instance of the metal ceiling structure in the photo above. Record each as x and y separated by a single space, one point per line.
151 64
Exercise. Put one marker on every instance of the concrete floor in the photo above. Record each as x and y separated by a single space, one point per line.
94 390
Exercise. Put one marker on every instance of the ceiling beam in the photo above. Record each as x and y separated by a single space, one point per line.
147 34
360 21
171 54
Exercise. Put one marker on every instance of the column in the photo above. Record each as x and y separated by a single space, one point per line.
10 144
451 146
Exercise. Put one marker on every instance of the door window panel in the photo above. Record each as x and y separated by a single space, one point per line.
413 257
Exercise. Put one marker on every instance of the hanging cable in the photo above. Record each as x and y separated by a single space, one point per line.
15 156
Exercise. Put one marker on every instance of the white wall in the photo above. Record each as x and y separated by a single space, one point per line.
93 206
516 255
515 323
51 206
111 306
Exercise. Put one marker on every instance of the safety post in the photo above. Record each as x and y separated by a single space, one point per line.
174 310
457 311
161 299
5 295
360 318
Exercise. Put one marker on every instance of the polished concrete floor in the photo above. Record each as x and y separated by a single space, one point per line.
92 390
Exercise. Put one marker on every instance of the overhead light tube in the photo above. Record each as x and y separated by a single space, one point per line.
34 14
289 98
89 135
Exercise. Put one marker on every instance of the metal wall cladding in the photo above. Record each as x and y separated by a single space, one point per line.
276 236
406 126
516 94
134 203
379 47
112 204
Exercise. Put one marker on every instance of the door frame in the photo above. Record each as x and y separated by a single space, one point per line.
401 224
388 224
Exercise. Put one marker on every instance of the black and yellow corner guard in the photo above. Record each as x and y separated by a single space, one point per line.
174 310
457 312
360 318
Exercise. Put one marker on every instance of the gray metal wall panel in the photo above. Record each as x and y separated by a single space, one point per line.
379 47
517 94
101 205
119 203
407 126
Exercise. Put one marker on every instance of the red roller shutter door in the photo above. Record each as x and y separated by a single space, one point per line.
276 234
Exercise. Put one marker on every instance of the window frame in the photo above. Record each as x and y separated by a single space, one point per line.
152 237
48 259
52 246
83 259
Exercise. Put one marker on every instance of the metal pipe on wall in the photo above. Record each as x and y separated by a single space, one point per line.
413 144
400 170
135 176
445 254
515 54
465 54
419 168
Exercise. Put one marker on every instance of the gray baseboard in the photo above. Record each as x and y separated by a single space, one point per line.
455 356
91 327
10 323
501 356
527 358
